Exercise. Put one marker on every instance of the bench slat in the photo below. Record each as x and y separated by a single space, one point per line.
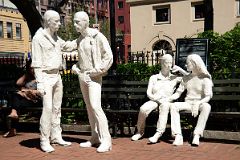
226 89
226 97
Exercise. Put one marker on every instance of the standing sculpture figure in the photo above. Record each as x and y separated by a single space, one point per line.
160 87
95 58
47 61
199 91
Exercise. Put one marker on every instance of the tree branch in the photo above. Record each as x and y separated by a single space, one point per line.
28 10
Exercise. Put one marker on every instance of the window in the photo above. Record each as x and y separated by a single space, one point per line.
30 36
120 19
120 4
9 30
198 11
18 31
1 29
162 14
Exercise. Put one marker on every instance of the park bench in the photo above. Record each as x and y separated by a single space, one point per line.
224 119
121 100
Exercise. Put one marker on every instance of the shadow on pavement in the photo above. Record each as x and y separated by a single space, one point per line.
34 143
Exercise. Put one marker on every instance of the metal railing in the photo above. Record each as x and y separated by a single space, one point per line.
12 66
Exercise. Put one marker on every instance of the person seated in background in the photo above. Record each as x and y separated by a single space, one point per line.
26 95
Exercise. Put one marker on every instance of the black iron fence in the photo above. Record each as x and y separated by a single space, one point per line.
11 67
147 57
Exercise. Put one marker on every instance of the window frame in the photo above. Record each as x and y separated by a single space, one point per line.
193 6
20 29
1 30
120 21
238 8
11 33
120 6
155 8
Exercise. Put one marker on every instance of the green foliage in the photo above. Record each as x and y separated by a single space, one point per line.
224 52
105 28
68 32
136 71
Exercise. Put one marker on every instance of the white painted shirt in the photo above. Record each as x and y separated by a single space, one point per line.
46 52
162 87
197 87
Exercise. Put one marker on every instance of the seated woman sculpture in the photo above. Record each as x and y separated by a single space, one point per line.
26 95
199 91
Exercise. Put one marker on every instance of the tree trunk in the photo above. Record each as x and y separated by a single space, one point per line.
28 10
208 10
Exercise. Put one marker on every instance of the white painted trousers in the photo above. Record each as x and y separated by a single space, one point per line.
91 91
146 109
204 109
51 112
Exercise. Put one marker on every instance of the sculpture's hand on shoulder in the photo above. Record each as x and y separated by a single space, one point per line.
75 69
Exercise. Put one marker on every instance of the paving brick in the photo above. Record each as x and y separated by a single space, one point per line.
25 146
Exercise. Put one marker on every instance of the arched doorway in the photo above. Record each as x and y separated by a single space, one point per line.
159 48
162 45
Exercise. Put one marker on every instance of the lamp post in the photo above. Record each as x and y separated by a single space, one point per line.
113 32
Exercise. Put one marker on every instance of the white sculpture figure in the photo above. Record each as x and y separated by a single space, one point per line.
46 61
95 58
160 87
199 91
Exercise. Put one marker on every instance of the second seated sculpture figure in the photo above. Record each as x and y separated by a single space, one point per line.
95 58
160 87
199 91
47 61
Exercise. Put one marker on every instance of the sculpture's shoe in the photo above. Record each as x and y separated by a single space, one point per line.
88 144
61 142
136 136
104 148
178 140
195 141
46 147
85 144
155 138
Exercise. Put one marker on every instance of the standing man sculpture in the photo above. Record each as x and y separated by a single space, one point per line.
160 87
199 91
95 58
47 61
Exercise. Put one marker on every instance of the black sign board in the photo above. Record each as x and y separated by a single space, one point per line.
188 46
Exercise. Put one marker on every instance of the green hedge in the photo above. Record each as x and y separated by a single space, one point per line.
224 53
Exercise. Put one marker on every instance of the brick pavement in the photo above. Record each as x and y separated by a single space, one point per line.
25 146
